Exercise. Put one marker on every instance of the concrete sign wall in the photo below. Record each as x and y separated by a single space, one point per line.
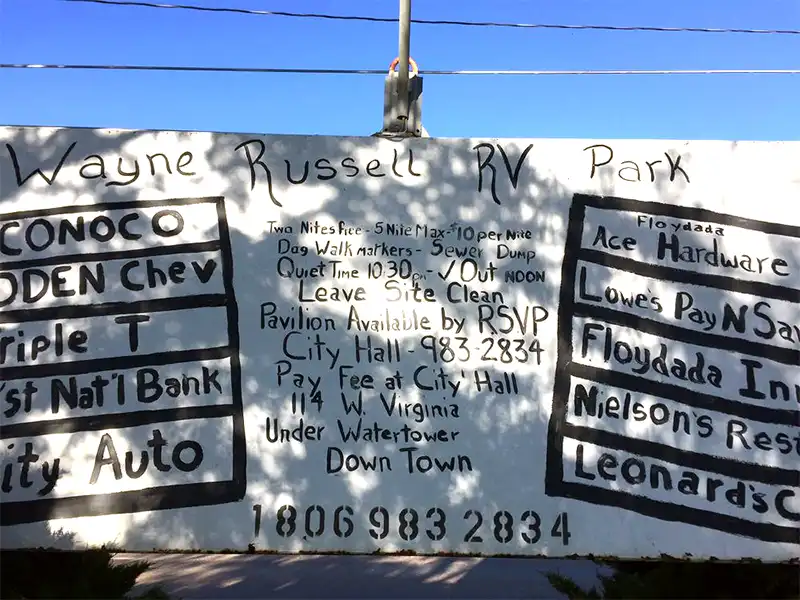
560 347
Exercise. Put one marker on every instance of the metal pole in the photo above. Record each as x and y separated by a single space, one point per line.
403 54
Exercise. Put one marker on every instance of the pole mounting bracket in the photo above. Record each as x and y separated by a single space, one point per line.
402 108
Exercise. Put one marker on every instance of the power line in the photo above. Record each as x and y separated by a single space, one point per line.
278 13
202 69
428 72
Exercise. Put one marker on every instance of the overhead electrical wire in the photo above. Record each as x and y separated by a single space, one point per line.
311 71
303 15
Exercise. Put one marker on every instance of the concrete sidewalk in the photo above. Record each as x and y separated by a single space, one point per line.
191 576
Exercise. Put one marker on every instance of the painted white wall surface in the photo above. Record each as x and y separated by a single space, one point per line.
527 347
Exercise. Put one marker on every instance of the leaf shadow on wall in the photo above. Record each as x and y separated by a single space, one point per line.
501 435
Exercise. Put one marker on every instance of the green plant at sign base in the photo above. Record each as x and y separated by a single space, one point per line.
636 580
615 586
570 589
154 593
87 574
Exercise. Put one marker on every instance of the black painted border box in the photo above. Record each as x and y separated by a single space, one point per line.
162 497
555 486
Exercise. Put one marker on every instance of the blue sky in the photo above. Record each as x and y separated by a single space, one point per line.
762 107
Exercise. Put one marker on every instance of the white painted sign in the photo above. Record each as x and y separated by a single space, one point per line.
558 347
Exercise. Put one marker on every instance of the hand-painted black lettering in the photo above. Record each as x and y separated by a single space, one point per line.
603 337
257 527
513 173
349 163
151 386
151 159
44 230
253 162
49 180
286 523
342 516
606 150
98 163
134 175
4 247
603 154
47 475
107 456
302 178
472 535
315 521
372 168
337 460
782 503
503 529
183 161
560 528
394 163
409 524
132 321
94 167
613 242
379 520
165 230
487 164
675 168
533 523
64 339
102 228
438 525
71 393
49 233
323 164
195 451
44 366
18 398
